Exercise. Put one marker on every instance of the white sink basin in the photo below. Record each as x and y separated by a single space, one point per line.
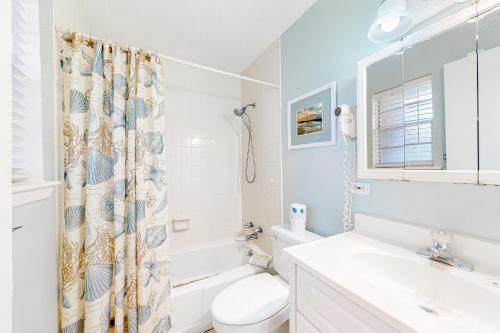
464 299
411 293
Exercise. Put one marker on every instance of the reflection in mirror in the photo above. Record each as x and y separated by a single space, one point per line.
440 104
489 95
384 102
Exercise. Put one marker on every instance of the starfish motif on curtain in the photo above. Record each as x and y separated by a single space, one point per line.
155 174
153 269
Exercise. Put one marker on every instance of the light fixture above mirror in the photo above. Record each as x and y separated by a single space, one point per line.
393 20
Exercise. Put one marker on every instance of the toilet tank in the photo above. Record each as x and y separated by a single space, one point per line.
283 237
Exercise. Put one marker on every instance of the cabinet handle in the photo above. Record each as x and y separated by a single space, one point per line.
17 228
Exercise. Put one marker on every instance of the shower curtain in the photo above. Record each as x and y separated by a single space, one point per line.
114 252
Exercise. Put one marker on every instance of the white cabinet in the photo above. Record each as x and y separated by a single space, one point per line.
316 307
34 256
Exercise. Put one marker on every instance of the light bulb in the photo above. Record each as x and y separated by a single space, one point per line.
390 25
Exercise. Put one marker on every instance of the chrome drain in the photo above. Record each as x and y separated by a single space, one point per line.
429 310
495 283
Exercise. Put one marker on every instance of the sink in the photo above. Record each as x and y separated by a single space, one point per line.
377 268
461 298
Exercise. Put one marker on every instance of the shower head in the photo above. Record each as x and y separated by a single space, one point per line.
241 112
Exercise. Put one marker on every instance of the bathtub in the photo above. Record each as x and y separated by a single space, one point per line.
198 275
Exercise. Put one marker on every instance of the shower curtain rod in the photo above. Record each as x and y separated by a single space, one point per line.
191 64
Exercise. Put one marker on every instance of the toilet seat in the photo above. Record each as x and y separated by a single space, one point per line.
252 300
275 324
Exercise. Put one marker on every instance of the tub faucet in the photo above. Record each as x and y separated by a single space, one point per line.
440 252
254 235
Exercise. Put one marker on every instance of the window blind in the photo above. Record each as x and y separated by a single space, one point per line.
402 125
26 89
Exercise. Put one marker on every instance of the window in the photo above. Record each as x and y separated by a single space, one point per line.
402 126
26 91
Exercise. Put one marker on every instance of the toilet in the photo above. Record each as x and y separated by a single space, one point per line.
259 304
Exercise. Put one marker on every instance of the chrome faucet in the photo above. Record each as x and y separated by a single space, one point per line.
254 235
440 252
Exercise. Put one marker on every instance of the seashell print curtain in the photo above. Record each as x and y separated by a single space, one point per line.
114 252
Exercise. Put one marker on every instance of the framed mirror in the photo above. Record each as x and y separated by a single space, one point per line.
489 95
419 122
440 112
385 135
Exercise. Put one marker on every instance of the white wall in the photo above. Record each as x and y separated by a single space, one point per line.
5 169
262 199
72 14
202 140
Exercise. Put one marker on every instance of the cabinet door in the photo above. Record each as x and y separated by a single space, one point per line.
34 253
331 312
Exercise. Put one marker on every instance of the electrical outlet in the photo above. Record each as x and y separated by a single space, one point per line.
361 188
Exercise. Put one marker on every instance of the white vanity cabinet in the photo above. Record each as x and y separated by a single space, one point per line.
371 280
316 307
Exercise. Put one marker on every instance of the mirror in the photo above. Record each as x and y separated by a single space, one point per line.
418 105
489 97
440 112
385 139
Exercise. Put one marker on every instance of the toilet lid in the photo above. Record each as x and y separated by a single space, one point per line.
251 300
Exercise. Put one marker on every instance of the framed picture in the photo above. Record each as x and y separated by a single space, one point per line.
311 118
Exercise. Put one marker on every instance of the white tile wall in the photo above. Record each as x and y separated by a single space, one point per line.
202 140
262 200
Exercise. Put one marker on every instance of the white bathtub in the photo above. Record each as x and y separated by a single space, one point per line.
212 268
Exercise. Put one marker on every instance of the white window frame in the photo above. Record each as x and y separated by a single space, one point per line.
28 72
27 141
399 91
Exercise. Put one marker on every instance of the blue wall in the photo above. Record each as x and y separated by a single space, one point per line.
323 46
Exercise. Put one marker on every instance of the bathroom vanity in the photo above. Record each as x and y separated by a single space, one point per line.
372 280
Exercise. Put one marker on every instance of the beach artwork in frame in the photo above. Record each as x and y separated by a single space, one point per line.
311 120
